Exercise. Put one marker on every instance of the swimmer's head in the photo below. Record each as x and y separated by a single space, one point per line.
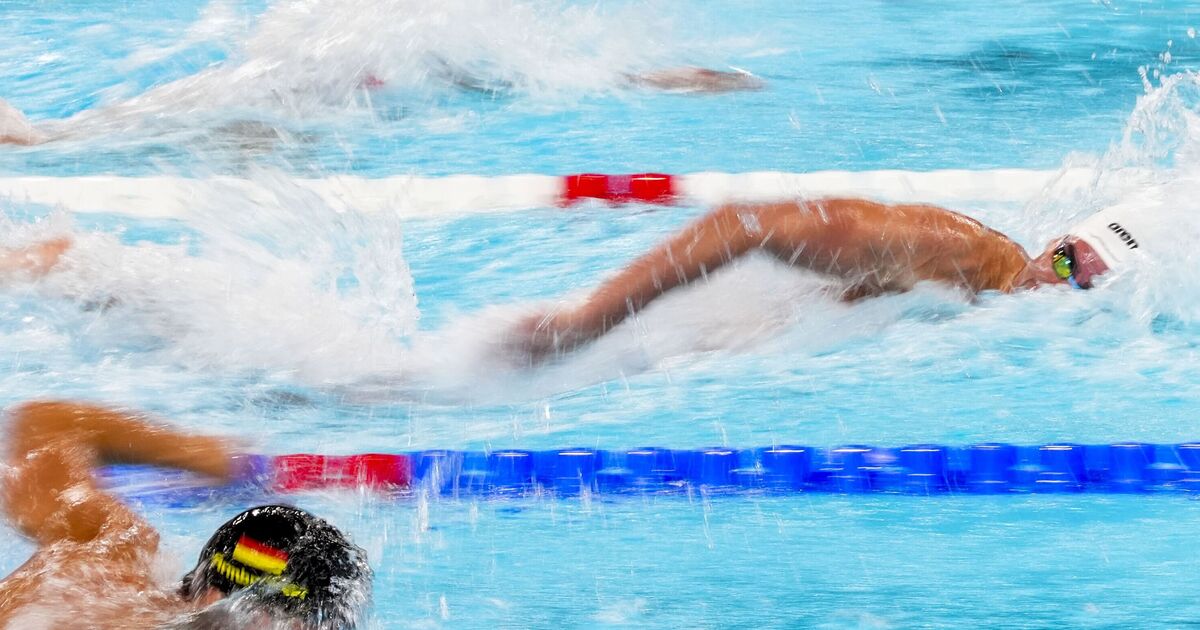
288 564
1106 241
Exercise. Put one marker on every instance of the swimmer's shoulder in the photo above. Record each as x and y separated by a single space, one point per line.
107 582
57 588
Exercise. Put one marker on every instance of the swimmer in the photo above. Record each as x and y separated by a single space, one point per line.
16 129
867 248
269 567
697 80
683 79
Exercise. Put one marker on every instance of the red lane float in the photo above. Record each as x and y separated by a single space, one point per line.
298 472
645 187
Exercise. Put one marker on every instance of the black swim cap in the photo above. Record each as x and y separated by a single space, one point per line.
290 561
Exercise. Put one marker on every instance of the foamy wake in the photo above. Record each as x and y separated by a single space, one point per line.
290 287
1161 144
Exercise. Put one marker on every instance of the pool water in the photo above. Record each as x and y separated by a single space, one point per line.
303 329
860 86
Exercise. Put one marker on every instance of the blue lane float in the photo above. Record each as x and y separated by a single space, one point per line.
924 469
920 469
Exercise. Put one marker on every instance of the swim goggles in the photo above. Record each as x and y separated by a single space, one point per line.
1063 262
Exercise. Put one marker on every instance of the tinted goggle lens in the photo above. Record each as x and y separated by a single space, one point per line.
1064 262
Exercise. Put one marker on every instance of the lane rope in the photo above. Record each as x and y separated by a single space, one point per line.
927 469
163 197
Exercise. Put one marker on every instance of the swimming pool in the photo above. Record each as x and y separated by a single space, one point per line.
311 331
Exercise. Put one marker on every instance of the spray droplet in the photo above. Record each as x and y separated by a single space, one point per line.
873 84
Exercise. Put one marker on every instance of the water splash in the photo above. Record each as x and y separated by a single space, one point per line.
277 282
1154 166
344 61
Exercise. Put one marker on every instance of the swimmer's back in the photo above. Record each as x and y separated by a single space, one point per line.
101 584
879 248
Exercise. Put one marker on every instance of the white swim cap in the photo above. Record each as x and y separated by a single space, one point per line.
1115 232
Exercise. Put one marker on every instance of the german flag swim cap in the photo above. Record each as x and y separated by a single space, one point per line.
291 561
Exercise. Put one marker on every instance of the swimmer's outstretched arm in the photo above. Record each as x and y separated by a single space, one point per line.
808 236
53 447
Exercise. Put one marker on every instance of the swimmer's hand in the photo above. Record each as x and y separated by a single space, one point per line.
692 79
539 337
34 261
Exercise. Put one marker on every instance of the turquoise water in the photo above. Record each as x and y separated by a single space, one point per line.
857 86
304 330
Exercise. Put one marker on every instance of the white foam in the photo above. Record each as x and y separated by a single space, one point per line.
269 274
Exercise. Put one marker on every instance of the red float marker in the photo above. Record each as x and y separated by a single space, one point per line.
314 472
644 187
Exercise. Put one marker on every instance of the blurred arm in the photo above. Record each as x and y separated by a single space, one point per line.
53 447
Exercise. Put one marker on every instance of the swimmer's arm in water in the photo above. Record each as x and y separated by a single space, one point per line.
33 261
53 447
682 79
693 79
797 233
